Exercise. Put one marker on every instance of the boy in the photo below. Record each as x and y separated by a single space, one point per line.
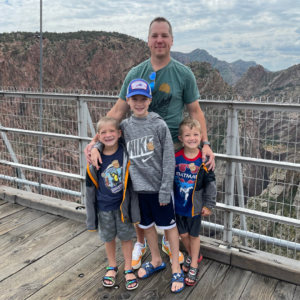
150 150
111 201
194 193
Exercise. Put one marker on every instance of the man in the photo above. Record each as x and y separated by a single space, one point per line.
174 86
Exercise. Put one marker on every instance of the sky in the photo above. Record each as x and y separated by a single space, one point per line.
264 31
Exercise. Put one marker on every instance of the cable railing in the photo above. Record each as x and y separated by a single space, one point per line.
255 142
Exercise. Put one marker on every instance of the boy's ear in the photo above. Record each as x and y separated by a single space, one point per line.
127 100
120 133
180 138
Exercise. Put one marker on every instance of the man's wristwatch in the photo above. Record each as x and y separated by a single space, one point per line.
205 143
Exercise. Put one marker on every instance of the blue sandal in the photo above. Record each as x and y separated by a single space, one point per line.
150 270
178 277
131 281
110 278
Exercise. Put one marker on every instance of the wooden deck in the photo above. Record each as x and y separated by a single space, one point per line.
43 256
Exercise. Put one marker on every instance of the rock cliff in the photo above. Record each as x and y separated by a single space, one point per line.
259 83
100 62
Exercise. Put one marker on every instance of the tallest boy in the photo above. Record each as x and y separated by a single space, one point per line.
174 86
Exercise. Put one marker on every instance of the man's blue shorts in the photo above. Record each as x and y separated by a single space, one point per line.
152 213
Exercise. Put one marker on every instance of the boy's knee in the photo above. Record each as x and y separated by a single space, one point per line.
194 237
184 235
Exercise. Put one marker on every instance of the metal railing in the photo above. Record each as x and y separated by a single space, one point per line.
255 142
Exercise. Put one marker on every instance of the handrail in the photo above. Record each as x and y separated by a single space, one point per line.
43 170
269 106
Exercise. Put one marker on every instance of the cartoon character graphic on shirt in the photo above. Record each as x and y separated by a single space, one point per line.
184 189
113 178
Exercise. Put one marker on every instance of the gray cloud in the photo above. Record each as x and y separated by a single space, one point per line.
258 30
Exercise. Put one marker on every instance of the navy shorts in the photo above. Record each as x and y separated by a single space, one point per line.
152 213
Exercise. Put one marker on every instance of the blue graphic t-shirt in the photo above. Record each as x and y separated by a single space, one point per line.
110 192
186 170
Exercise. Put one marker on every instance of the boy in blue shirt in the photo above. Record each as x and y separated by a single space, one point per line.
111 202
194 193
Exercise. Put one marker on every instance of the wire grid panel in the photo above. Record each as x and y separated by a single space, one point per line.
58 116
97 110
272 237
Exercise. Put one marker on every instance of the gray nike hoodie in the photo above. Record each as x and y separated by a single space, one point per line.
151 153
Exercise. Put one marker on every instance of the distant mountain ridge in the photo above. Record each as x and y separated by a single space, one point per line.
256 82
231 72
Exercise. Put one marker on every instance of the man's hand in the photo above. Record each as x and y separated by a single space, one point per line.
205 212
206 152
95 157
163 204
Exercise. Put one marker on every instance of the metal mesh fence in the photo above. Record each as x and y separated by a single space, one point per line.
271 135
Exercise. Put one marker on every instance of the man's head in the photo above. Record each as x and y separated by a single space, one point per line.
190 133
108 131
159 20
139 97
160 37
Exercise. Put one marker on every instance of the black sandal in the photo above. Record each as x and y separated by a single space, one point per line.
131 281
110 278
187 263
192 275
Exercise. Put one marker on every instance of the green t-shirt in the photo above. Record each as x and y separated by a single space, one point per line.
175 85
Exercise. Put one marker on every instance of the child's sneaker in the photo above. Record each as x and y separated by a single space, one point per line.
165 246
137 254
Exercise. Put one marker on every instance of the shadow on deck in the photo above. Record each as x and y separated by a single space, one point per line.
46 256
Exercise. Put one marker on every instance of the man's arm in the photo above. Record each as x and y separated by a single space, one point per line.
118 112
195 112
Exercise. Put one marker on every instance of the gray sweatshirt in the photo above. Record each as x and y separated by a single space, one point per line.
151 154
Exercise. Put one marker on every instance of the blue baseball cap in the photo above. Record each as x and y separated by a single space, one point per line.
139 87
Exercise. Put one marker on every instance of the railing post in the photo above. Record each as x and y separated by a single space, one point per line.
239 183
82 132
229 179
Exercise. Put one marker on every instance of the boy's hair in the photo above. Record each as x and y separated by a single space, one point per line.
190 123
161 19
108 120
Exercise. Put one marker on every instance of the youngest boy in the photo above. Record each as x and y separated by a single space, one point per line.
110 199
194 193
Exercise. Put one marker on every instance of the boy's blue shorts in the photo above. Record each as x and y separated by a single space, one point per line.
152 213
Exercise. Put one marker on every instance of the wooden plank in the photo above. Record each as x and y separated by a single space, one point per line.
209 283
233 285
259 287
268 264
9 208
51 205
297 293
29 231
37 275
71 286
145 284
35 248
155 287
97 292
284 291
18 219
203 267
